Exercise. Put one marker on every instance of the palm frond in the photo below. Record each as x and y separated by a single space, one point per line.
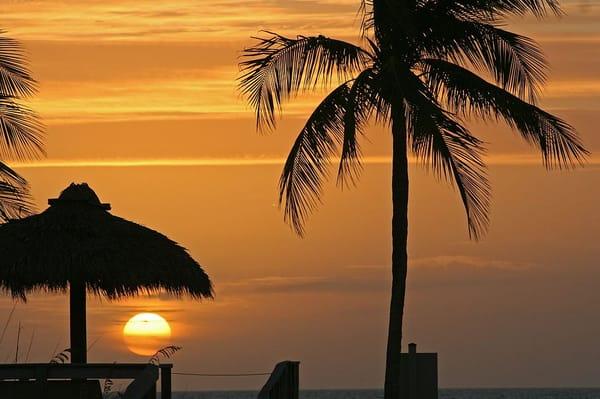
8 175
15 201
515 62
445 145
61 357
465 92
365 11
15 77
277 67
167 352
362 100
307 164
21 132
495 8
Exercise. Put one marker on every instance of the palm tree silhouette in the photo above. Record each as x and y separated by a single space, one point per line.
21 132
419 74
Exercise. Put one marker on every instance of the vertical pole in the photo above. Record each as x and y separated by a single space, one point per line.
412 371
295 380
165 381
151 393
78 322
40 380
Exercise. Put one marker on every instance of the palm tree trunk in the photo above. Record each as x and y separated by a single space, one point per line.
399 252
78 323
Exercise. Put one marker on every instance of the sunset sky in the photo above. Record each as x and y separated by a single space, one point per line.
140 101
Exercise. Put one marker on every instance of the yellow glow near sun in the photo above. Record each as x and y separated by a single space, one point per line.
145 333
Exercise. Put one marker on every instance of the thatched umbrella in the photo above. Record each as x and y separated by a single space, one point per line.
76 242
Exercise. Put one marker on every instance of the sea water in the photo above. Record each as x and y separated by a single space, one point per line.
496 393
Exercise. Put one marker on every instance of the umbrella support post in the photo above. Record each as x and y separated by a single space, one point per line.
78 322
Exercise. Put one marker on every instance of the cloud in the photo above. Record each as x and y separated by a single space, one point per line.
449 262
125 20
436 271
196 20
465 272
343 283
464 261
277 284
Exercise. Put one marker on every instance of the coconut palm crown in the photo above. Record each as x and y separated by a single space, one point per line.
21 133
425 68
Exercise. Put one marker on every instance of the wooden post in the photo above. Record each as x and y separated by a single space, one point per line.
412 371
40 380
165 381
295 380
151 393
78 322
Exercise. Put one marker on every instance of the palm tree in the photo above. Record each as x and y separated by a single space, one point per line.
426 67
21 132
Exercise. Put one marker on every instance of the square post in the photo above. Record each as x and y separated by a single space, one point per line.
151 393
165 381
412 371
418 374
77 317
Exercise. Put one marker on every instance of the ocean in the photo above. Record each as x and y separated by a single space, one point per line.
496 393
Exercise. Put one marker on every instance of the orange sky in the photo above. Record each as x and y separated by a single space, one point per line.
140 101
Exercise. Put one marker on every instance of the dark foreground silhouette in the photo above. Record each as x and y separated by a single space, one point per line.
77 243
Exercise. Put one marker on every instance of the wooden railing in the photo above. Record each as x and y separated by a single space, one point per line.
283 382
144 376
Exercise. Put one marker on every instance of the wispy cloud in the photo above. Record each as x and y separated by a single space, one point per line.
181 20
447 262
342 283
197 20
376 277
122 61
454 261
213 93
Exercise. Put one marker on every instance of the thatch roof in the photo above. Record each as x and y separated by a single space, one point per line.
77 238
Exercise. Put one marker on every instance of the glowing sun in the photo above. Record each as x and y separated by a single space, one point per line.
145 333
